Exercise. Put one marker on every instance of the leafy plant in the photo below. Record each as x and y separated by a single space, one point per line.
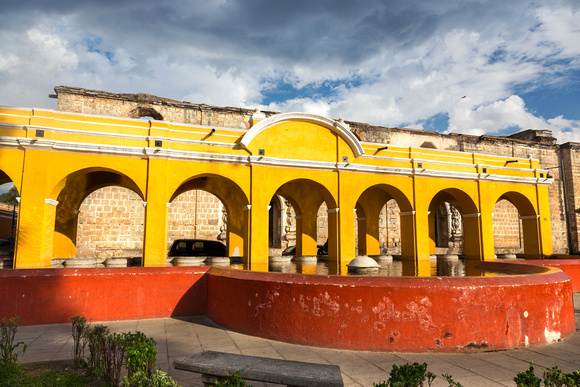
80 330
96 338
527 378
452 383
156 379
113 356
8 328
554 377
408 375
234 381
141 353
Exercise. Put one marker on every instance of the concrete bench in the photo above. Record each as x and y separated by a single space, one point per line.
218 366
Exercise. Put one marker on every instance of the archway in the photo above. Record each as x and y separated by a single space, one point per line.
382 210
507 229
70 194
9 198
110 224
456 211
226 217
527 218
309 200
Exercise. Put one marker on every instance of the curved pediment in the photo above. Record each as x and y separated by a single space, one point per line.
339 127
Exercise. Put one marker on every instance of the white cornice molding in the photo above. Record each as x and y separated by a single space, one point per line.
62 146
337 126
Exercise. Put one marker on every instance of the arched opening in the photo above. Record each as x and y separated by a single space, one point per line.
210 207
308 218
111 206
381 216
275 222
517 225
507 230
449 228
195 214
452 211
110 225
145 111
9 198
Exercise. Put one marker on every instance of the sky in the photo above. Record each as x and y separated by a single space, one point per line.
465 66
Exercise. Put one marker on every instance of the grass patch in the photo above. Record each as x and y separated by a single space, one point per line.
17 375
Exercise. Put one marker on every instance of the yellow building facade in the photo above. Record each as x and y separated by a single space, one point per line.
56 159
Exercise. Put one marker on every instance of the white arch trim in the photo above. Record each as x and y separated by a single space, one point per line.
338 127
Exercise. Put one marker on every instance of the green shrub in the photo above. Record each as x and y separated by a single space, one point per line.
140 353
554 377
80 329
234 381
408 375
8 328
96 338
113 357
156 379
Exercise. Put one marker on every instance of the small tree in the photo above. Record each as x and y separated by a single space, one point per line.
10 196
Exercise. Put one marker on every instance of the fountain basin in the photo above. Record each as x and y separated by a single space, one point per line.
403 314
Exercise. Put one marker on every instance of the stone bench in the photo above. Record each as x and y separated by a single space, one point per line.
218 366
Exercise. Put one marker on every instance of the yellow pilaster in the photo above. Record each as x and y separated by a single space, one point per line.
544 224
156 212
36 215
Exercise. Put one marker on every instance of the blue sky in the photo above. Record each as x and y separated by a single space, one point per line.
465 66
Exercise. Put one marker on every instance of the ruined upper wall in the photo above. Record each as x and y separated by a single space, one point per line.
78 100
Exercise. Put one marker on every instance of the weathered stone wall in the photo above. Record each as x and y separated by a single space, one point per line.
535 143
110 222
77 100
571 172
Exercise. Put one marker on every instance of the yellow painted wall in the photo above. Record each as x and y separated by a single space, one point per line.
56 159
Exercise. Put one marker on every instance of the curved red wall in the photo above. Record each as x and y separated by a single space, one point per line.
570 266
50 296
398 313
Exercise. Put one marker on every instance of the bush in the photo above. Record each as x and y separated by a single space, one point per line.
234 381
80 329
96 338
8 328
113 356
156 379
408 375
140 353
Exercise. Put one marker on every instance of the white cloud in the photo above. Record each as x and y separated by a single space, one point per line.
388 64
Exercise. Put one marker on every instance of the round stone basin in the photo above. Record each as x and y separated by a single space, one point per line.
533 306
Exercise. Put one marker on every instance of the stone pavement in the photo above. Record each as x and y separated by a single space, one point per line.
178 337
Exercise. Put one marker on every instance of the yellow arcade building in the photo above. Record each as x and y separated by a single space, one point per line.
56 159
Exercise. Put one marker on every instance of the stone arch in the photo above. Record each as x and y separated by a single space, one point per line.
68 195
370 204
507 229
110 224
529 220
428 145
339 127
145 111
470 219
307 197
234 201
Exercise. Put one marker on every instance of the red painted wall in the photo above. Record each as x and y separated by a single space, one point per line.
446 314
570 266
50 296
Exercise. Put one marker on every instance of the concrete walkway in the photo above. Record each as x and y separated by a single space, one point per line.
184 336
